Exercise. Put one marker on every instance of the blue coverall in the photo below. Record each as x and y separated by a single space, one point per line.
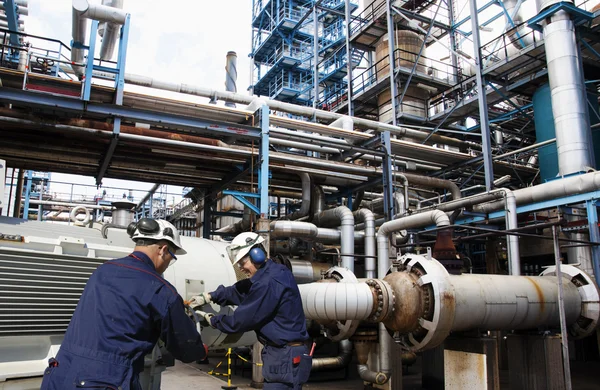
125 307
270 304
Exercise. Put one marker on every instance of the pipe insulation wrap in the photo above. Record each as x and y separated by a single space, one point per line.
110 33
567 186
569 100
437 217
336 301
499 302
304 230
343 216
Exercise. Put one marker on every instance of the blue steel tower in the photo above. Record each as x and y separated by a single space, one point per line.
298 49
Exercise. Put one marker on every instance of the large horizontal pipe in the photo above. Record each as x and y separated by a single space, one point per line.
333 301
290 108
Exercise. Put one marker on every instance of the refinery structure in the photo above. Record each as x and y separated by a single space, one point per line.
426 168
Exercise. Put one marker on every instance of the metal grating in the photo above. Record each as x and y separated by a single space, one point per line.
39 291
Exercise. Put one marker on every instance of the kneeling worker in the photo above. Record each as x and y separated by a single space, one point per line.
125 308
269 303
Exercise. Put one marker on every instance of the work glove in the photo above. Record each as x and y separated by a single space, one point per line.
199 300
205 318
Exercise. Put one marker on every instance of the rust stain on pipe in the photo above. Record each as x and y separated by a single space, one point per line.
145 132
539 292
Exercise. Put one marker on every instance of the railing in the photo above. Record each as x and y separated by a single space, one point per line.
499 48
368 15
295 82
52 50
442 71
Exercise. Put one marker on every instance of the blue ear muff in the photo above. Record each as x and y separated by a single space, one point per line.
257 255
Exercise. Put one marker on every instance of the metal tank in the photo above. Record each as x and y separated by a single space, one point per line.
409 44
44 268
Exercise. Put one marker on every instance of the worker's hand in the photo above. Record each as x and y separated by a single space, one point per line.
205 318
199 300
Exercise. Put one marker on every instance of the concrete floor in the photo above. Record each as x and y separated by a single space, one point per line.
195 376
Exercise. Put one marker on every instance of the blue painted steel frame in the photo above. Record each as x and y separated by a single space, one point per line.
241 196
67 104
89 68
27 195
579 16
263 173
119 90
592 215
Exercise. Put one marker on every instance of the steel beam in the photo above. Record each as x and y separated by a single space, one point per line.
481 96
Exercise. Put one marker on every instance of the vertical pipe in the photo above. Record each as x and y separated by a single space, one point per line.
569 100
512 241
481 95
453 47
12 182
349 58
40 206
315 56
391 48
27 195
561 311
231 75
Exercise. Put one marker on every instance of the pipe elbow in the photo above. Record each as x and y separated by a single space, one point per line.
440 218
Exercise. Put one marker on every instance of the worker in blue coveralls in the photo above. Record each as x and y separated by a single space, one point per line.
125 308
269 303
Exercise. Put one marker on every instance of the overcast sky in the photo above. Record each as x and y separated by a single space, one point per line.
182 41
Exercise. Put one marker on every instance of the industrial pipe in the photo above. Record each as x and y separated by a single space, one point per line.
341 215
110 32
334 301
337 362
569 96
308 271
231 75
437 217
305 205
370 241
83 10
289 108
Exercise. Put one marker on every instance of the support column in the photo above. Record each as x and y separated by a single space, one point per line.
315 56
391 48
2 184
27 195
349 59
18 194
535 362
481 95
207 219
592 216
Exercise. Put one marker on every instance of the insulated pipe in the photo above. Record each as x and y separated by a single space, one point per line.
303 230
231 75
334 301
318 200
308 271
67 204
343 215
552 190
289 108
437 217
111 32
499 302
569 98
83 10
239 226
368 218
305 206
334 236
512 241
520 39
331 363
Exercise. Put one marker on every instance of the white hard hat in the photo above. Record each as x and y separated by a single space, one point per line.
156 229
241 245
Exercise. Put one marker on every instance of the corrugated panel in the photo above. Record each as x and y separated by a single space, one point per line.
39 291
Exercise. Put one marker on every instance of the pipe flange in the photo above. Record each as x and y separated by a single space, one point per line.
346 328
434 328
385 300
589 318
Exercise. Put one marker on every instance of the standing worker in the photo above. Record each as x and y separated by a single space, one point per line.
125 308
269 303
